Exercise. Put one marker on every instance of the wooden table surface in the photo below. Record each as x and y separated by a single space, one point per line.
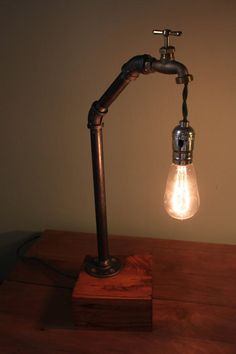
194 299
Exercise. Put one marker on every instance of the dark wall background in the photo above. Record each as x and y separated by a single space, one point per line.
57 57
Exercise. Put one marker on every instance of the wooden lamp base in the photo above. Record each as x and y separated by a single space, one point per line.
122 302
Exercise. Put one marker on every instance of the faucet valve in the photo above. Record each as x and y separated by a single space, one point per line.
167 51
166 33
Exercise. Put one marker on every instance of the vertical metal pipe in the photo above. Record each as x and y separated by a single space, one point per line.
99 193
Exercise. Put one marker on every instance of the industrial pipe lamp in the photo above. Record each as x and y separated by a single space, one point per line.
181 197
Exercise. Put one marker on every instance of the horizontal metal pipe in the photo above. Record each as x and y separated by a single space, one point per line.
172 67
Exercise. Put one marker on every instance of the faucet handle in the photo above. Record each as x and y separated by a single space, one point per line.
166 33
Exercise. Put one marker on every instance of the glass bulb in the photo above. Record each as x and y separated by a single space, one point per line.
181 199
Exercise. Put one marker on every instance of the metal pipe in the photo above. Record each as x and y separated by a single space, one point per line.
99 193
114 90
173 67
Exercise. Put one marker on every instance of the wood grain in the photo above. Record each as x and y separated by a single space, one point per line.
33 311
120 302
133 282
25 340
184 271
194 307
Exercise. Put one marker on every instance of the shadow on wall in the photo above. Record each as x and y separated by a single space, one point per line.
9 243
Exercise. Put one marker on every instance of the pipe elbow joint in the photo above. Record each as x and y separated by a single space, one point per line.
140 64
95 115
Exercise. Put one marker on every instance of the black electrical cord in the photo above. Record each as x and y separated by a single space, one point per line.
184 105
39 260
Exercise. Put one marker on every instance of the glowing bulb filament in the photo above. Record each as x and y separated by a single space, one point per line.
181 198
181 195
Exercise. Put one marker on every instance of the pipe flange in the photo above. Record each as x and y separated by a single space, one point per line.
110 268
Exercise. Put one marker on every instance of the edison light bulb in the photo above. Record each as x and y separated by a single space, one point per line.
181 199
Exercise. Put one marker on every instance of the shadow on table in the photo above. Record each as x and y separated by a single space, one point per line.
9 243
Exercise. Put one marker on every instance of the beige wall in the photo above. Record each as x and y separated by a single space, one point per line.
59 56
